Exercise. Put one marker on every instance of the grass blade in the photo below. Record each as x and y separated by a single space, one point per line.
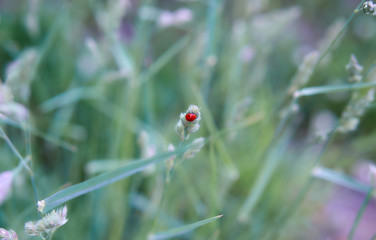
69 97
104 165
181 230
157 65
360 214
272 160
340 179
103 180
330 89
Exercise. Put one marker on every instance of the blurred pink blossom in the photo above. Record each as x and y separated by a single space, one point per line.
183 15
340 212
166 19
8 234
247 54
14 110
179 17
6 179
5 94
337 216
10 108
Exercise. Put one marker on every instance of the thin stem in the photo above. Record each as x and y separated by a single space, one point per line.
167 183
23 161
14 150
29 156
360 214
337 37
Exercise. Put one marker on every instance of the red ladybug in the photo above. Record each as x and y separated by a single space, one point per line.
190 117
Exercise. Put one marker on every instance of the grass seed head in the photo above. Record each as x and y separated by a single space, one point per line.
8 234
48 224
188 122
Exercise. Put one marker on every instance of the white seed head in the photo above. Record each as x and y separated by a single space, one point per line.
194 109
5 94
354 70
196 146
170 160
8 234
180 130
183 127
348 125
304 72
20 73
48 224
369 8
41 205
359 102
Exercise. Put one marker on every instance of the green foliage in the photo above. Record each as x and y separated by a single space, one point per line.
98 87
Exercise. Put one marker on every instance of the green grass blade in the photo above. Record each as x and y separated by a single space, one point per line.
330 89
103 180
181 230
123 59
360 214
69 97
104 165
340 179
272 160
166 57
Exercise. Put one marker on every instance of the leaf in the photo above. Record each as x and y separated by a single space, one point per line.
181 230
340 179
104 179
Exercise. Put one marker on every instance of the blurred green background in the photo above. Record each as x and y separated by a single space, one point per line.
103 84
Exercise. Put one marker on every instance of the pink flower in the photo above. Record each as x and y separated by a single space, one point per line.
8 234
247 54
6 179
179 17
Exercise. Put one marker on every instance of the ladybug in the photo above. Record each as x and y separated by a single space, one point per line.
190 117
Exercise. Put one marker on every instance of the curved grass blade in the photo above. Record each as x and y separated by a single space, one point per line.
104 179
156 66
340 179
68 97
360 214
272 160
181 230
330 89
98 166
